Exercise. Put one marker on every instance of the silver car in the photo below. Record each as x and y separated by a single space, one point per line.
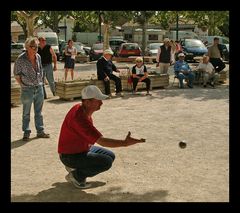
16 50
152 49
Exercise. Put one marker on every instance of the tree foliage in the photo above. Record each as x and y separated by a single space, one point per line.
165 18
224 28
111 19
143 17
51 19
212 19
90 21
86 21
28 20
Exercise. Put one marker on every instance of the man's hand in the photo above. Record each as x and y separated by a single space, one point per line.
106 79
130 141
184 72
55 68
157 65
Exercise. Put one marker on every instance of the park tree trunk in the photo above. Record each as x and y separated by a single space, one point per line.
144 27
106 28
29 19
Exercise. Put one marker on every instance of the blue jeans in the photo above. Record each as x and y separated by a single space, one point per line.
89 164
190 76
31 95
48 73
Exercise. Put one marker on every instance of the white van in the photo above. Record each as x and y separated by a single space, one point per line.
51 39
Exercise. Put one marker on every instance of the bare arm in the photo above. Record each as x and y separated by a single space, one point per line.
158 55
54 58
108 142
135 76
18 79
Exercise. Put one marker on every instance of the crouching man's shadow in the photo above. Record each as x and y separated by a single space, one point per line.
61 192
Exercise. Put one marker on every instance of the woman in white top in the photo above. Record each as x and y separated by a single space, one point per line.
140 74
70 54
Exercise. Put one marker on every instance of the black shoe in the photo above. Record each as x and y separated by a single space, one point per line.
43 135
26 137
204 85
189 86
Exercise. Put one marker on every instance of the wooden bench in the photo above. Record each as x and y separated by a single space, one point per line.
100 85
72 89
15 95
157 81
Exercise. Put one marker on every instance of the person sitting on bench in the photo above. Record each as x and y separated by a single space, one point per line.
140 74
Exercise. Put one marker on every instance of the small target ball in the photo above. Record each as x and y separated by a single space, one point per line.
182 144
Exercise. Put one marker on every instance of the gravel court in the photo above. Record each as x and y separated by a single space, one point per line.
155 171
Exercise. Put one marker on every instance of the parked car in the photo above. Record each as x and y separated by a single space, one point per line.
16 50
80 50
96 51
209 40
129 49
85 47
225 51
192 48
115 44
62 46
152 49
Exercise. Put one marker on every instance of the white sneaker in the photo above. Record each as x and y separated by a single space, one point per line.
80 185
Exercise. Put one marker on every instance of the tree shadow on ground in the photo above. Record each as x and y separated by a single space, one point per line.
65 192
62 101
20 142
198 93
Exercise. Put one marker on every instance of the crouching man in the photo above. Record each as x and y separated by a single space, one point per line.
78 135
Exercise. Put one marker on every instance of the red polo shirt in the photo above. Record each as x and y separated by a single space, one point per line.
77 132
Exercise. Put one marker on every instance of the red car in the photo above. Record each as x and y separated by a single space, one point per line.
129 49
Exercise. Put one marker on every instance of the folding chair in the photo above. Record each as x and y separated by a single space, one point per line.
174 80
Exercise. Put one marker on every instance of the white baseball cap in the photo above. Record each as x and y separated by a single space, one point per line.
166 40
93 91
108 51
181 54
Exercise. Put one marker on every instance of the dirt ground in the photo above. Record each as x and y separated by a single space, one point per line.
155 171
